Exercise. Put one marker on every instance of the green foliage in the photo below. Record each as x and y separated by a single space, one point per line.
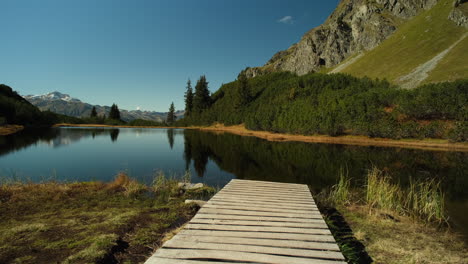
114 112
188 99
93 112
15 109
242 95
201 100
338 104
171 117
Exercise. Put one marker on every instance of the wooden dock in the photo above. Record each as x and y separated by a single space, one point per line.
254 222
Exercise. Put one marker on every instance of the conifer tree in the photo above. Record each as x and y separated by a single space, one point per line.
188 99
93 112
114 112
201 99
242 92
171 114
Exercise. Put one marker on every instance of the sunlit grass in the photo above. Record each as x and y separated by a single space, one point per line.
81 222
422 199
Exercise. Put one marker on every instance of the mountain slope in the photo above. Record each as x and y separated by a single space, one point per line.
382 39
66 105
428 48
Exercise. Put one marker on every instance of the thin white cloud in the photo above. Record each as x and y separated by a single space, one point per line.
286 20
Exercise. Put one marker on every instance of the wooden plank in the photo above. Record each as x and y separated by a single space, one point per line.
273 229
268 195
266 189
258 208
259 203
277 243
283 236
268 183
266 199
320 224
257 213
269 187
314 219
254 222
308 253
158 260
237 256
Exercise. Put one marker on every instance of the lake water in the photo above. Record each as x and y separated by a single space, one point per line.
83 154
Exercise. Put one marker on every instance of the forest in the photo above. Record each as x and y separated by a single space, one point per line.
333 104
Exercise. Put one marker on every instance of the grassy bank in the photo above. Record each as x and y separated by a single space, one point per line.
429 144
386 223
90 222
10 129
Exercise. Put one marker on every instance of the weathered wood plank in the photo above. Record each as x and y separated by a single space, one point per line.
237 256
258 208
272 229
254 222
275 243
185 243
266 195
259 203
314 219
265 199
264 190
284 236
268 183
320 224
158 260
258 213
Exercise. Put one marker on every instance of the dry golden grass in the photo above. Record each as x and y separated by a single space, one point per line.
10 129
402 240
428 144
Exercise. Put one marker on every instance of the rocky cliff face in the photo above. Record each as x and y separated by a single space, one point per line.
459 14
354 26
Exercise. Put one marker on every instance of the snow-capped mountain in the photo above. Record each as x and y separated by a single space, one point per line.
66 105
53 96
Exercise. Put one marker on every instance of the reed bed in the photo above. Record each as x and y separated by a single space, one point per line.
422 199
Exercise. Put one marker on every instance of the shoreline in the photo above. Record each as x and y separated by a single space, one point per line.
426 144
10 129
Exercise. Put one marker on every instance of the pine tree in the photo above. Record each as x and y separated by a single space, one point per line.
201 99
93 112
171 114
114 112
242 92
188 99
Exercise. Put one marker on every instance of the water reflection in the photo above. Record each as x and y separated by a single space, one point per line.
114 134
170 137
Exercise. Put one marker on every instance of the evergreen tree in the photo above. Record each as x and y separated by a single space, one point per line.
188 99
93 112
171 114
201 99
114 112
242 91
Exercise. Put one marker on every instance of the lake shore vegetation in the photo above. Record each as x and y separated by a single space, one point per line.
334 105
122 221
381 221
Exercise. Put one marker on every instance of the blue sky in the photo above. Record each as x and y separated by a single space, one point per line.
139 53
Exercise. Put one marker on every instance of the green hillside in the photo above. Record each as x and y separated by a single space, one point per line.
416 42
14 109
339 104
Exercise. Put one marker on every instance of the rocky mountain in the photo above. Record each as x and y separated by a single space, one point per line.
357 27
66 105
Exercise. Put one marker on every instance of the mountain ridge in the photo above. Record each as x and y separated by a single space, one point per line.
356 27
64 104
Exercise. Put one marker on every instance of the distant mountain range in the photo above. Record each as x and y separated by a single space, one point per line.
66 105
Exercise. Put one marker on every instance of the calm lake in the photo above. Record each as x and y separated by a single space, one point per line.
84 154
